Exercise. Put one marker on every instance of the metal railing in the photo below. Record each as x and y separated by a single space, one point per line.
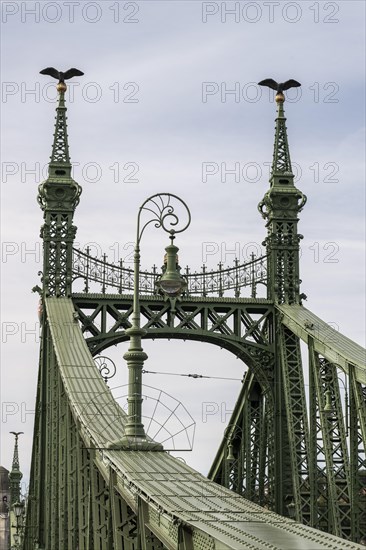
216 282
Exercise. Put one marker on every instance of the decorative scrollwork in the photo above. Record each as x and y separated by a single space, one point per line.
264 206
203 283
106 367
303 201
164 214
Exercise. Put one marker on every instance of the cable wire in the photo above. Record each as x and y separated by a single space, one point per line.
189 375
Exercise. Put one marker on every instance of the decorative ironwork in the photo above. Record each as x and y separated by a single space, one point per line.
281 205
206 282
164 214
166 420
58 197
106 367
83 494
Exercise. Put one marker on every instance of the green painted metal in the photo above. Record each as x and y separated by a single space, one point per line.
357 428
58 197
296 422
180 506
332 454
162 207
101 276
86 495
247 433
327 341
280 208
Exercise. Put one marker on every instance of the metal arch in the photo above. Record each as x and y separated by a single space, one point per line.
121 501
226 323
129 500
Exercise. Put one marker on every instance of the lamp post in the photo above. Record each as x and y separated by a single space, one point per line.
18 509
161 209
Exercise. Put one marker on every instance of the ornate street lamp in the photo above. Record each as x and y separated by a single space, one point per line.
162 213
230 454
171 283
328 407
18 509
291 509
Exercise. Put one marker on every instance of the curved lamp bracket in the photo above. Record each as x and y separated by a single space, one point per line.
167 211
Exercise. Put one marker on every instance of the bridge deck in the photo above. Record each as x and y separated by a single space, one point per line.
327 341
172 493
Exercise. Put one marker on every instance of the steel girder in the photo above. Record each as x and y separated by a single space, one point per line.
297 422
249 445
244 327
71 504
83 491
330 457
275 460
357 429
245 459
269 436
326 478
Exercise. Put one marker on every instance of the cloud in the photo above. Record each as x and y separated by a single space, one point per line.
169 133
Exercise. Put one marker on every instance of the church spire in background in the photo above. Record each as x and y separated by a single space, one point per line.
15 475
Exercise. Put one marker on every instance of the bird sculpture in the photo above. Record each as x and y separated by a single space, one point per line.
279 87
60 75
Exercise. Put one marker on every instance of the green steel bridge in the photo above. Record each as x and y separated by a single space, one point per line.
290 472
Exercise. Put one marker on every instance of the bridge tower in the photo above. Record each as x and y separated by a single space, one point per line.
280 207
284 453
311 462
58 197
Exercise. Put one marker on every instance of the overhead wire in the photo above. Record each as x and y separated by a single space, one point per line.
190 375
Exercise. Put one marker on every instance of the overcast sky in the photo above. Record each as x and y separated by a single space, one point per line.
169 103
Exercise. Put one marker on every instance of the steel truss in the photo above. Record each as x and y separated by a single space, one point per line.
301 459
323 476
72 502
245 327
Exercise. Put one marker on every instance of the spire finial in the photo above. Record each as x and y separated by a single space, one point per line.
15 475
280 206
281 155
60 159
15 465
58 196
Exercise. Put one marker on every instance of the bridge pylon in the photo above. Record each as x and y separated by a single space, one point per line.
58 197
285 451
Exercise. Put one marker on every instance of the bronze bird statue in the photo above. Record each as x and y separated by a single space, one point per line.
60 75
279 87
